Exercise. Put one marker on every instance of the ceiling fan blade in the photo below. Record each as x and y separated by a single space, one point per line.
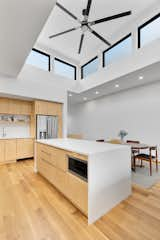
61 33
67 11
88 7
81 42
99 36
124 14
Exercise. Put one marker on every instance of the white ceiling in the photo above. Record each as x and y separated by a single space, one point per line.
21 22
68 44
150 74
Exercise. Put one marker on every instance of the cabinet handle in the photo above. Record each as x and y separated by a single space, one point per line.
47 162
49 154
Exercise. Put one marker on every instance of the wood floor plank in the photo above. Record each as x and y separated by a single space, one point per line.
32 209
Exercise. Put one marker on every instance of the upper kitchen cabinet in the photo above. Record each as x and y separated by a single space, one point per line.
14 106
48 108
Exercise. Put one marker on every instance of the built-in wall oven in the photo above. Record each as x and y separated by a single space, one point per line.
78 167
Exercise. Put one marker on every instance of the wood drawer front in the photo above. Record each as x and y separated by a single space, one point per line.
60 158
47 170
45 152
55 176
79 156
78 192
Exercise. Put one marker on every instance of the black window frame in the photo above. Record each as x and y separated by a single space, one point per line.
86 65
69 64
45 54
143 25
115 44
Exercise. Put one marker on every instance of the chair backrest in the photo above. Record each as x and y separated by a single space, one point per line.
132 141
100 140
115 141
75 136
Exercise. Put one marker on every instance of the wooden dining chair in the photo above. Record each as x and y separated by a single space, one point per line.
149 158
134 152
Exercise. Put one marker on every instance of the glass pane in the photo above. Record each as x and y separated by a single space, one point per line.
90 68
38 60
118 52
64 70
150 32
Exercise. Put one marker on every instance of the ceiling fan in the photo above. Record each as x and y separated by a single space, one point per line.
85 25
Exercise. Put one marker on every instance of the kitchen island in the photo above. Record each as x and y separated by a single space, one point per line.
94 176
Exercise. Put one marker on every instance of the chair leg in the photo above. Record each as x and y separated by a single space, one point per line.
134 163
150 166
156 161
141 163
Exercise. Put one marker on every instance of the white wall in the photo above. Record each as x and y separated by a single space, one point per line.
21 22
136 110
37 84
13 130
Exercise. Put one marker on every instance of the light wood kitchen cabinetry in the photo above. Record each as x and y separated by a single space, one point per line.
2 151
48 108
25 148
52 163
14 106
10 150
4 105
78 192
13 149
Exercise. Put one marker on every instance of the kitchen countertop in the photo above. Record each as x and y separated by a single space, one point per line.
7 138
81 146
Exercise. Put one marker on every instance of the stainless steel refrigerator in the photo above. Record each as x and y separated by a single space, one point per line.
47 127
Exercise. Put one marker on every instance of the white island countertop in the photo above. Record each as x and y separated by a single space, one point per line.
108 172
81 146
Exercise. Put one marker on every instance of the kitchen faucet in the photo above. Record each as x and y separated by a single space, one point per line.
3 132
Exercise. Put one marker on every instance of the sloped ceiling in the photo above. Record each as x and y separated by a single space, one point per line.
21 22
68 43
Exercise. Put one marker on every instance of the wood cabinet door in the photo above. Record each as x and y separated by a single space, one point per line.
60 158
4 105
2 151
77 192
25 148
26 108
10 150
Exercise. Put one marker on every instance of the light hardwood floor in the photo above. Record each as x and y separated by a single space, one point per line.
31 209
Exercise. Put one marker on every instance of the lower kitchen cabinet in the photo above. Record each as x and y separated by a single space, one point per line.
2 151
25 148
10 150
13 149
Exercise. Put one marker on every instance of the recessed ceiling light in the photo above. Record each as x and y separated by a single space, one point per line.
96 92
117 85
141 77
85 99
70 95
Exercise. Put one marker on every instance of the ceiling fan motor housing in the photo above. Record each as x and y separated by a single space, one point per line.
84 12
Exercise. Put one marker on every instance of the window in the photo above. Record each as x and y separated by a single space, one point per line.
64 69
118 51
90 67
149 31
39 59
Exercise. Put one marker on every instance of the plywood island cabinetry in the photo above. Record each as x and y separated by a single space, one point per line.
95 177
52 163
